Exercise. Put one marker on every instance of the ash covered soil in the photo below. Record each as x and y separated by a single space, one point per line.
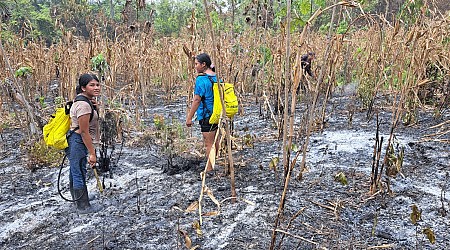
147 205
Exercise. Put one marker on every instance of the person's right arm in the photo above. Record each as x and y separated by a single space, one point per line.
198 93
195 103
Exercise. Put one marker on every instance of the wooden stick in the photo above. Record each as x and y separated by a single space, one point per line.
266 100
289 224
96 237
286 148
99 184
296 236
439 125
324 206
436 140
438 134
230 168
382 246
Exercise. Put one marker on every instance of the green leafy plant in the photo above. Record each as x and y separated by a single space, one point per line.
8 121
266 54
4 125
59 101
23 71
171 133
410 11
446 40
343 26
170 17
366 90
172 137
341 178
42 101
40 155
158 121
416 218
98 63
274 163
114 104
217 21
35 16
248 140
395 159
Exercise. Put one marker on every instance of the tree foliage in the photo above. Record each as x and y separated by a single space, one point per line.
5 12
171 16
30 19
45 20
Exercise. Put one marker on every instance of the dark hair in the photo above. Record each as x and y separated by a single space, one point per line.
204 58
84 80
311 53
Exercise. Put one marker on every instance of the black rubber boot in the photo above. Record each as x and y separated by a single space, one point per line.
83 205
79 199
71 189
91 196
74 198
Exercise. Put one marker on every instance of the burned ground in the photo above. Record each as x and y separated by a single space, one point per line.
146 205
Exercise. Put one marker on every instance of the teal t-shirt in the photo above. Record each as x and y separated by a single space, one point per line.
203 88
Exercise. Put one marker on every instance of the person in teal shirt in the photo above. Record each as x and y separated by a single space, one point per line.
203 102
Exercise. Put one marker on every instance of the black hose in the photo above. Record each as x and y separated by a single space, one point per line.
59 180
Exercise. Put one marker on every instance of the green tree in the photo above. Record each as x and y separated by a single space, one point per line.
75 14
112 8
5 12
31 20
410 11
171 16
301 12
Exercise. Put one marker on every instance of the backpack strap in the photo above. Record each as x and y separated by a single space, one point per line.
210 79
69 105
85 99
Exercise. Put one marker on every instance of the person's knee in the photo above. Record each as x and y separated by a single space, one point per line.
209 135
78 179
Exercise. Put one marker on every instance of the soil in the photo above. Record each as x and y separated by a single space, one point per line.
150 205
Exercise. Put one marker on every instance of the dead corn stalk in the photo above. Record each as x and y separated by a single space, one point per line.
289 225
210 160
188 50
19 97
444 130
312 108
287 143
227 127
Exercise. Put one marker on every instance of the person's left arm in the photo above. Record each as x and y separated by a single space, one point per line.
96 107
83 121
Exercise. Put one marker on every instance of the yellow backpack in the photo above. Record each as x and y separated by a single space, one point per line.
229 97
56 129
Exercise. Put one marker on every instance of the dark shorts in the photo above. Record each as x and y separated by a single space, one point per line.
206 126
